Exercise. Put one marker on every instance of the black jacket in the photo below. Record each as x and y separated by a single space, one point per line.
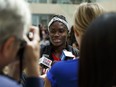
48 50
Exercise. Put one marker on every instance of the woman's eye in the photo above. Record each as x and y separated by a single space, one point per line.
52 31
61 30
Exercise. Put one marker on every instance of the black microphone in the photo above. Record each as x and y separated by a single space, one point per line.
66 55
45 62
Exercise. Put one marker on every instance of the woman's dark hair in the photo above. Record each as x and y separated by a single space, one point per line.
61 17
98 53
71 38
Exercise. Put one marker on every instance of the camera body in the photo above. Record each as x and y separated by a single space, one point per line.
23 44
20 54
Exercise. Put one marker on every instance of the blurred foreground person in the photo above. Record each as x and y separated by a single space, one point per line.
15 21
98 53
83 16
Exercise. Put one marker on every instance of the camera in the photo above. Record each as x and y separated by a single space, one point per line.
23 44
20 54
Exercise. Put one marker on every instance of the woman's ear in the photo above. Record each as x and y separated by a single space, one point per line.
8 46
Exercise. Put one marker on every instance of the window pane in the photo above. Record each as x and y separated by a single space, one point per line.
67 1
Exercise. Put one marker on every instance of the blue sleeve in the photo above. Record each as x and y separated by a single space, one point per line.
51 78
34 82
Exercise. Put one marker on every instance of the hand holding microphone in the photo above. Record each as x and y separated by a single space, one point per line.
66 55
45 62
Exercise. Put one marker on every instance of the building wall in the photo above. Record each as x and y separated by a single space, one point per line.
67 9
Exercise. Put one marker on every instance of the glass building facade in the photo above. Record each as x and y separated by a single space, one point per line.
41 13
57 1
41 19
45 18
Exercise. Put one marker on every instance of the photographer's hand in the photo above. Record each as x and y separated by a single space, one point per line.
31 54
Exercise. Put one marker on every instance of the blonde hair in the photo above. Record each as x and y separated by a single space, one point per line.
85 14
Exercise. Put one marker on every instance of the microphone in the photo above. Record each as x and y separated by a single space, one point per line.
66 55
45 62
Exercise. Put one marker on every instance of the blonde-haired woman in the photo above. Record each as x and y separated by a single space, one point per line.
65 73
84 15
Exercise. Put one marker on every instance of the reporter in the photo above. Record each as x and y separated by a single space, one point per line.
83 16
15 21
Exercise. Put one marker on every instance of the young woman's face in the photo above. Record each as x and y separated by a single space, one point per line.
58 33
